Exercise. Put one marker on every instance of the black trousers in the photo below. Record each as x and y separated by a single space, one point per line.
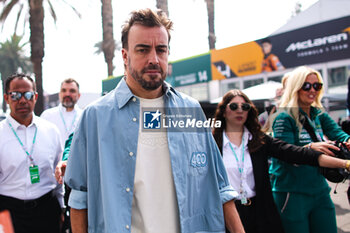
248 215
41 215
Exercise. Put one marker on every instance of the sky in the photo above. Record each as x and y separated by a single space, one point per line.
69 44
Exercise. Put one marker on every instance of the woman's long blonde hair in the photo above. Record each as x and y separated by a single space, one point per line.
290 100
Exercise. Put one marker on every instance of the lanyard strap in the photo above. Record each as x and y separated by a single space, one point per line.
64 122
30 155
240 165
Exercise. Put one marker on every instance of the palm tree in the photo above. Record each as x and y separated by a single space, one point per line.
36 25
163 5
108 43
13 59
211 37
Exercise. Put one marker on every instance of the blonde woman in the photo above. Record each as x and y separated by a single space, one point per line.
301 192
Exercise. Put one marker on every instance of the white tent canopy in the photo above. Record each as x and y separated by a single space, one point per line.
264 91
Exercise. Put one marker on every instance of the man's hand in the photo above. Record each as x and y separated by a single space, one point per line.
60 170
232 219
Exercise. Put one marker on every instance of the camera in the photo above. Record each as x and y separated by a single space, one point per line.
343 153
337 175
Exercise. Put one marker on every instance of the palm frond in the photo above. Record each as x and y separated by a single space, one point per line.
7 9
98 47
52 11
73 8
99 50
18 16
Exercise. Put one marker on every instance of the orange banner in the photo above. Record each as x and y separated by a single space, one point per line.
236 61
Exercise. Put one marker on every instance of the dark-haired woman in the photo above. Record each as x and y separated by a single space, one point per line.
245 149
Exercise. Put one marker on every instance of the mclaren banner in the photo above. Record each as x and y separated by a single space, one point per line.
323 42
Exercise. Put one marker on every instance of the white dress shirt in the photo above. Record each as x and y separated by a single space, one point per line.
14 162
66 125
230 162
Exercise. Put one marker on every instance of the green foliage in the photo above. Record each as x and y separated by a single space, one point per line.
13 58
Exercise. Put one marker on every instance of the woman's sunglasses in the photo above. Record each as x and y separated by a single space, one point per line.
244 106
307 86
15 95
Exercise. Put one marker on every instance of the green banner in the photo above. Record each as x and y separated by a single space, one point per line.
110 83
190 71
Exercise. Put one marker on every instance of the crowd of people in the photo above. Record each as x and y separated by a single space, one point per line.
117 176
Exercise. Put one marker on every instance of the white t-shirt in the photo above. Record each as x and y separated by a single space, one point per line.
154 206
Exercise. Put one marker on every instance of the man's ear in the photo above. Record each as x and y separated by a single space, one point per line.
35 97
125 56
6 98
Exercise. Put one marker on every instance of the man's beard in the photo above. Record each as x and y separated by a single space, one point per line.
68 104
151 85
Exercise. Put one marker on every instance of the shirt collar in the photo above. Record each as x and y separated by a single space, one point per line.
123 93
246 137
15 124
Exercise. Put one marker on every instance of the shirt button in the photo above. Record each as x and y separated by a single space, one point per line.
127 226
131 154
127 189
134 99
134 119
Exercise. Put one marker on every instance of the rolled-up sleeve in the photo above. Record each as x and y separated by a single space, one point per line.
227 193
78 199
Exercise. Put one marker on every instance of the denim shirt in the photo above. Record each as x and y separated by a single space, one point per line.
101 167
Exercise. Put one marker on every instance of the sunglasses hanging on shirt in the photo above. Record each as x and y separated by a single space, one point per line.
15 95
307 86
243 106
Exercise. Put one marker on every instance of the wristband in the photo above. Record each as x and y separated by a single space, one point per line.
347 165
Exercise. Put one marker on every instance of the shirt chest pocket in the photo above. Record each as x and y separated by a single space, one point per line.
44 157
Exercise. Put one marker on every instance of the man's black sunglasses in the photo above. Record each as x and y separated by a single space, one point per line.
15 95
244 106
307 86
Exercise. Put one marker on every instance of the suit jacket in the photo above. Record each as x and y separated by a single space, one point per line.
268 216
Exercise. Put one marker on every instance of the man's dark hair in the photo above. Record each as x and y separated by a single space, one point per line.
265 40
19 76
70 80
148 18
